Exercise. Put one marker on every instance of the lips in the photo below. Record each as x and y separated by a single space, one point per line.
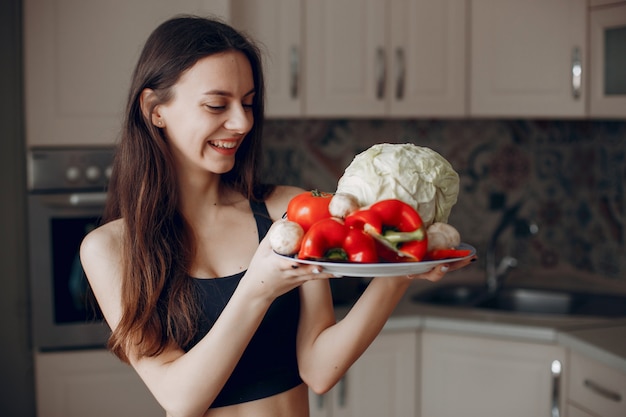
224 144
224 147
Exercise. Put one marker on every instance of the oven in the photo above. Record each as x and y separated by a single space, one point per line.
66 197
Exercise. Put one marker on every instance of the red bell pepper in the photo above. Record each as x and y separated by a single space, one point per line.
330 239
397 228
438 254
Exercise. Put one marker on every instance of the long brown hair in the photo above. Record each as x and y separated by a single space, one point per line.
158 299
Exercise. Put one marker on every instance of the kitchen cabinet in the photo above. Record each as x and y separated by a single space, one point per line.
382 382
527 58
367 58
90 383
471 376
607 76
79 56
595 388
277 26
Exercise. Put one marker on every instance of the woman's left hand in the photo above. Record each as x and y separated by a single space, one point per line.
440 271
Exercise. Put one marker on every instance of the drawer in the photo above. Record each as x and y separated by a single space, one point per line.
597 387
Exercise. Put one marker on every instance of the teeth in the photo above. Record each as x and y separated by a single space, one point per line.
224 145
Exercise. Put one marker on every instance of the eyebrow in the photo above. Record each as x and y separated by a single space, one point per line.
226 93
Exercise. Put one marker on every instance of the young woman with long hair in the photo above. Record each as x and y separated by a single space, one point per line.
211 320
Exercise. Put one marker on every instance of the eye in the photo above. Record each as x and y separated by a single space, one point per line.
248 107
215 108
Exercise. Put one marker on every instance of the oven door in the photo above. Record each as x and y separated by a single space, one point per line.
64 314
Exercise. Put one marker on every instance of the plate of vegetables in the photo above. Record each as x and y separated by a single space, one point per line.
387 238
386 269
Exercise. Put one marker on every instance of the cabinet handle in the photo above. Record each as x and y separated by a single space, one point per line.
343 391
556 369
380 73
577 73
320 401
602 391
294 64
400 73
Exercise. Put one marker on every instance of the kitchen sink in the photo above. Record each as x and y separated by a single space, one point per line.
526 300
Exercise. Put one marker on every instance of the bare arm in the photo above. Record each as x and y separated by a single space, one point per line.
326 349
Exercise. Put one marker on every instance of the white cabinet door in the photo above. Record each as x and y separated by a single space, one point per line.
90 383
524 57
277 26
79 56
596 387
383 382
345 68
367 58
427 57
484 377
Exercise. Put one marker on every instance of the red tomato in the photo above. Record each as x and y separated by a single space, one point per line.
309 207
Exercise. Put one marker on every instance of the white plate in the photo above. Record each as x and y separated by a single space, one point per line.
347 269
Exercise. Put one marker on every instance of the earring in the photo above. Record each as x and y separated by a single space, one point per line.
159 123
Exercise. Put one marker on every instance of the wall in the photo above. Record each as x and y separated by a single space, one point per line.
568 175
16 375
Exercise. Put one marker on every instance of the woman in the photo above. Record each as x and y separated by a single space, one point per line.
211 320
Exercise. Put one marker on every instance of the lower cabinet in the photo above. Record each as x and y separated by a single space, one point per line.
489 377
595 389
90 383
383 382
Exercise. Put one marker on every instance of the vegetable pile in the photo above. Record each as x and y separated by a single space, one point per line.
391 205
387 231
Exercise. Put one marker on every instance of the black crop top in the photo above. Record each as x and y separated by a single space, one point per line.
268 365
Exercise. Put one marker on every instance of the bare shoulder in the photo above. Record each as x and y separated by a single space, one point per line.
101 258
101 255
104 241
279 199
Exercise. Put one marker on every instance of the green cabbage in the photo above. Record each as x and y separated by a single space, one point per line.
416 175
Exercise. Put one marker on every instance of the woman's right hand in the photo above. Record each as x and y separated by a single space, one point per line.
270 275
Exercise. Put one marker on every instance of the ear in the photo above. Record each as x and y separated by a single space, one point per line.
148 101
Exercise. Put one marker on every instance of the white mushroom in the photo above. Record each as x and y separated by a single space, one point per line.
285 237
343 204
442 236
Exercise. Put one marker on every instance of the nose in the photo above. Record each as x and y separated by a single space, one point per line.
239 119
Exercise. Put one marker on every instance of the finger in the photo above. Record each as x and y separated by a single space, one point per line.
462 264
433 275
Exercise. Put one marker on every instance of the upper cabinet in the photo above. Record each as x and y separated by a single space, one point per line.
349 58
607 45
527 58
360 58
79 56
277 26
423 58
369 58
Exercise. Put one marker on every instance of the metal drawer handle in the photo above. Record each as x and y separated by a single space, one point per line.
556 369
294 72
602 391
400 73
380 73
577 73
320 401
343 392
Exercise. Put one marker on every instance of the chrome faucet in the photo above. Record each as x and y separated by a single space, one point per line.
522 227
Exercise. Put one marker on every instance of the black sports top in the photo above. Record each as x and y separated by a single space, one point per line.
268 365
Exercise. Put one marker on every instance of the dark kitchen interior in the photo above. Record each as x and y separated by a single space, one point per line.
571 174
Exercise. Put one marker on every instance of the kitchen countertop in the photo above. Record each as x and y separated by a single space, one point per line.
599 338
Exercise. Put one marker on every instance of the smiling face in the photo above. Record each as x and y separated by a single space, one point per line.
210 113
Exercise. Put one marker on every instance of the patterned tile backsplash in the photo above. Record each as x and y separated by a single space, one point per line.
567 177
